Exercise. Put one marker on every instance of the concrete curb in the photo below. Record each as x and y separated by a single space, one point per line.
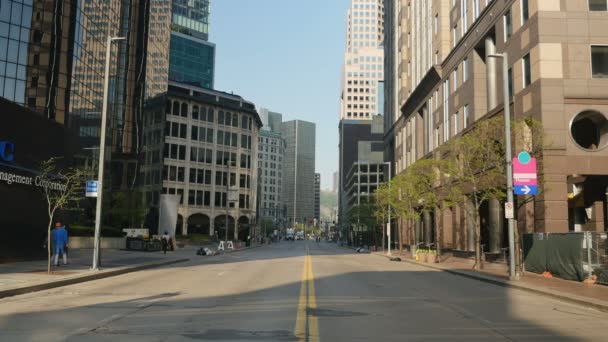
85 278
574 299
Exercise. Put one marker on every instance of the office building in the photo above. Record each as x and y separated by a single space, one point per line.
299 170
271 155
192 58
362 180
336 181
317 197
202 145
363 60
52 61
557 75
360 142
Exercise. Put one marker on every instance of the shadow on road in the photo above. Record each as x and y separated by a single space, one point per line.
381 305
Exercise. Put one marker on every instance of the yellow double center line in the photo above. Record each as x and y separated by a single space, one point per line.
307 326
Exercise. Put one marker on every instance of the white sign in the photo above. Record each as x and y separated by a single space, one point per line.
91 189
509 212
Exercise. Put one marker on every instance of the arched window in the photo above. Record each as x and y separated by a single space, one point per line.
195 112
175 108
184 112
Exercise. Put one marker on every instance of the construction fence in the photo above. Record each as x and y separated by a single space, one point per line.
572 256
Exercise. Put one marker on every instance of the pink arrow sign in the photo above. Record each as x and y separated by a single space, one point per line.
524 174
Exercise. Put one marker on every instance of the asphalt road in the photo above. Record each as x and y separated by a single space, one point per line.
293 291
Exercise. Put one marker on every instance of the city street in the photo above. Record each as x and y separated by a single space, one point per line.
293 291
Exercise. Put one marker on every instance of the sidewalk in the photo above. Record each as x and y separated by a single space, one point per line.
29 276
595 296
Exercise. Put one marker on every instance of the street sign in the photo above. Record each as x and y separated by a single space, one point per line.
509 212
525 190
524 175
91 189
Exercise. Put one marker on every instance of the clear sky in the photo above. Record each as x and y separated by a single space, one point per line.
285 55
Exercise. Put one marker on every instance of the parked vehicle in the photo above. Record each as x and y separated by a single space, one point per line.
290 235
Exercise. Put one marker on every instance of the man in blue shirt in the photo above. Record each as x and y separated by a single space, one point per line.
59 239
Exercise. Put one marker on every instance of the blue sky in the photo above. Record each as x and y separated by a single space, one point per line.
285 55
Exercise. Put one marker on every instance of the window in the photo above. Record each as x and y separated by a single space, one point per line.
455 78
508 25
464 13
455 33
436 24
598 5
466 115
455 119
524 11
476 8
526 70
465 70
599 61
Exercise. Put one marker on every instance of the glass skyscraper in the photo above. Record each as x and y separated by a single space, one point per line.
192 61
192 58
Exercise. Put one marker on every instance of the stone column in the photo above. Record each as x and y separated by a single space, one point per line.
428 229
470 225
496 226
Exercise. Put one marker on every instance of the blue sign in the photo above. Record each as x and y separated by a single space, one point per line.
526 190
91 189
7 151
524 157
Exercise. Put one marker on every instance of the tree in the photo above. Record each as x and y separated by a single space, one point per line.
61 187
479 160
427 177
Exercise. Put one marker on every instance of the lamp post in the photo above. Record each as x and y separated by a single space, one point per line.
388 224
508 156
102 149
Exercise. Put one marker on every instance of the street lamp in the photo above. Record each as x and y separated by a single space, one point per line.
388 224
508 156
102 149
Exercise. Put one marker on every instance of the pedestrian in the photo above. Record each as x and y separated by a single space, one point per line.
165 241
59 241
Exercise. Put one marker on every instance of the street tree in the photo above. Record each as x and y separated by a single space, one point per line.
427 178
479 160
61 187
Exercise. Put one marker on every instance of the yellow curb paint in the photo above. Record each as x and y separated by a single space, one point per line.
307 327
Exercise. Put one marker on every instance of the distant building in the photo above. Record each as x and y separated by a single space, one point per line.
192 58
299 170
317 197
271 155
360 142
362 180
202 144
363 61
336 184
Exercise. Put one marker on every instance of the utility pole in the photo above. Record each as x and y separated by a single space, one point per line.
102 150
508 157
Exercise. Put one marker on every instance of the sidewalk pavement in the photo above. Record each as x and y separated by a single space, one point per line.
595 296
31 276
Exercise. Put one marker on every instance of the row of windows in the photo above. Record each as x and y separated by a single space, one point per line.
173 173
203 155
204 134
356 114
226 118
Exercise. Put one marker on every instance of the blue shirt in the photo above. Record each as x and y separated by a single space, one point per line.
59 237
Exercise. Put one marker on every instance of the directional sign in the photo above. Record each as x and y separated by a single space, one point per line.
91 189
525 190
524 174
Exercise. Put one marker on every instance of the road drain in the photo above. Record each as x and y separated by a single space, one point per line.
230 334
